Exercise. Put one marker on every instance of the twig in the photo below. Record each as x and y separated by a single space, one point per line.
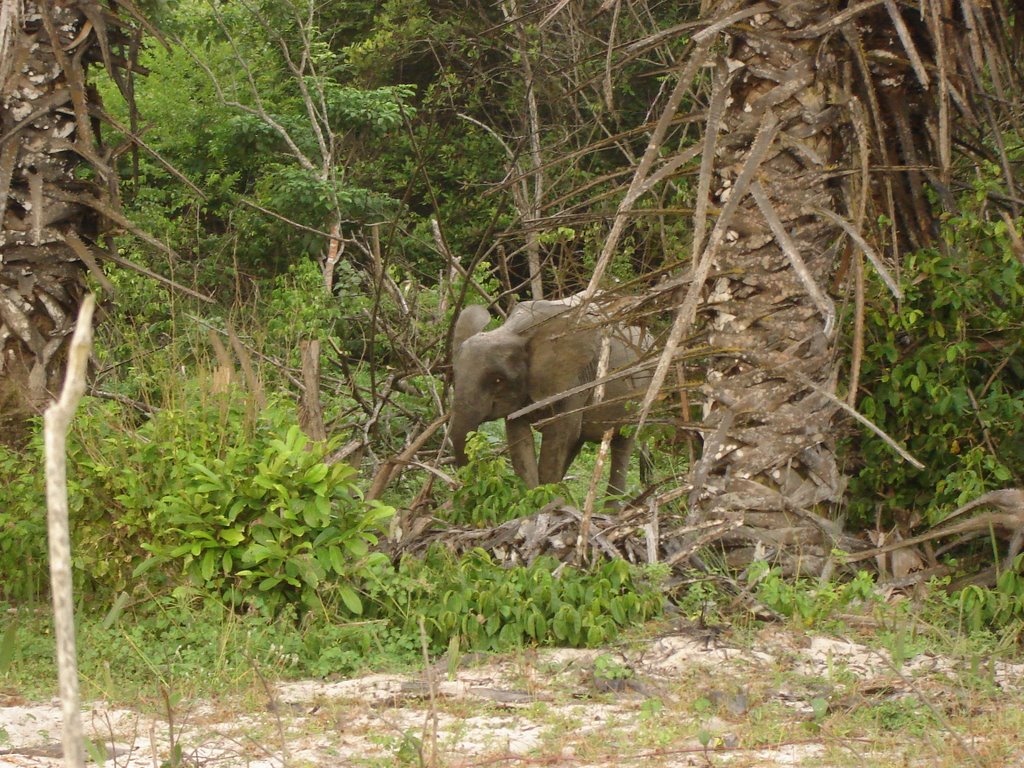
865 247
908 43
431 717
1010 501
1016 243
986 436
818 296
819 30
286 220
602 454
638 185
859 120
138 405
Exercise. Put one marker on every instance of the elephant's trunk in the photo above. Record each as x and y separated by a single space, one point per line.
458 427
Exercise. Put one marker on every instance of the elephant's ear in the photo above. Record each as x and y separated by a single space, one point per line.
563 352
471 321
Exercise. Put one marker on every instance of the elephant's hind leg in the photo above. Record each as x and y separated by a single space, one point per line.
621 449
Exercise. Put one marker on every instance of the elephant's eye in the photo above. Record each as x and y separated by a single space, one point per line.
498 381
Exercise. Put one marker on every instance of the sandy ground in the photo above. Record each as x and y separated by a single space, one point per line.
689 698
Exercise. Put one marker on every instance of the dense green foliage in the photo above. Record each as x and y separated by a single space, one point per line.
247 510
492 607
996 608
211 507
944 372
473 604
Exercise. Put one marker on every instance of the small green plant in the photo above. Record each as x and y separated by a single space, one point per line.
650 709
609 668
490 493
804 600
907 715
1001 606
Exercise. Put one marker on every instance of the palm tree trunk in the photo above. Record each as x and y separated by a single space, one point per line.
49 222
769 471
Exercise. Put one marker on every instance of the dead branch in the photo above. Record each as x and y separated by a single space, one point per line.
1010 519
57 421
387 470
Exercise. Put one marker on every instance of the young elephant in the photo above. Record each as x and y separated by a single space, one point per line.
544 349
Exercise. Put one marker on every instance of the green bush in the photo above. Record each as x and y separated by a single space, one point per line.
275 528
201 494
23 558
489 492
804 600
490 607
943 373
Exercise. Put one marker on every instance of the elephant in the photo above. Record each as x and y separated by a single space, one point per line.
545 348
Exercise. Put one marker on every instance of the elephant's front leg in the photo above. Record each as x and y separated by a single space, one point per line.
519 436
621 450
559 446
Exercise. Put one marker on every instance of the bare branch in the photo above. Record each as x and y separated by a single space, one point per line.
57 421
865 247
820 299
637 186
908 43
259 110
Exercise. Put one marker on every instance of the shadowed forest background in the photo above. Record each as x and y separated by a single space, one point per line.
306 196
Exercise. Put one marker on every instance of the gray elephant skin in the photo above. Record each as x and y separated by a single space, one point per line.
545 348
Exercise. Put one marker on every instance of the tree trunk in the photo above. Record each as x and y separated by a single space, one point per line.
48 214
769 469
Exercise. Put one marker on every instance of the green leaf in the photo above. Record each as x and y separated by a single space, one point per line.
819 706
618 612
351 599
337 560
232 536
315 474
97 751
256 553
208 564
311 516
112 615
146 565
357 547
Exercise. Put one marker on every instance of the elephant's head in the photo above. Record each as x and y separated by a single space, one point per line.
533 355
489 374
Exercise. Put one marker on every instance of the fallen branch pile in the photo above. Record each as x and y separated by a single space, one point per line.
643 533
